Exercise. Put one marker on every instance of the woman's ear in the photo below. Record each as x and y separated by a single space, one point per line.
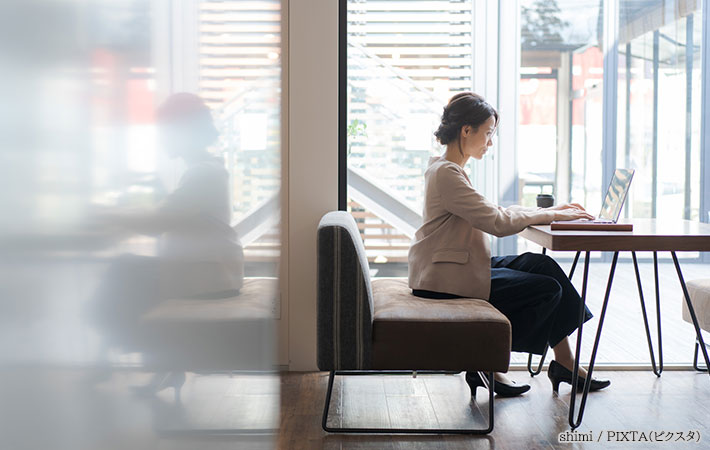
466 131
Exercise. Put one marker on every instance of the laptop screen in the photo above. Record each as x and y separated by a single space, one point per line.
616 194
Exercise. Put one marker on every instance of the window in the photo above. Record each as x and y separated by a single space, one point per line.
405 59
658 131
569 88
239 51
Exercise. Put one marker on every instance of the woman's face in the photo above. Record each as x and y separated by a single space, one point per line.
174 140
475 143
180 140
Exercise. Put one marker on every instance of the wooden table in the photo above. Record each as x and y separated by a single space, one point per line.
652 235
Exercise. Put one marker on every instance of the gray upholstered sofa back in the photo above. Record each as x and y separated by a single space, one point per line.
345 304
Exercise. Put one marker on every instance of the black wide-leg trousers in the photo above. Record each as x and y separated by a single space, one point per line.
534 293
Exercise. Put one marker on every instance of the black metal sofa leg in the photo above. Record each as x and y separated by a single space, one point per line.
488 379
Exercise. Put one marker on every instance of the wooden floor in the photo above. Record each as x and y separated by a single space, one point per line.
66 409
636 401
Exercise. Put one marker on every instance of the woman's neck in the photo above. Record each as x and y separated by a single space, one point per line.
453 154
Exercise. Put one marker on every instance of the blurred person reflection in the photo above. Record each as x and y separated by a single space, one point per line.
199 255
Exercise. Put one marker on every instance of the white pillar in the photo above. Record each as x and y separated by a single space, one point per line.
312 161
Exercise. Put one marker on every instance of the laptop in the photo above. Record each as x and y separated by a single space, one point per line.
611 207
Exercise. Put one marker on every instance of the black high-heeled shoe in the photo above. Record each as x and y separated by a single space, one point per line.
474 381
558 373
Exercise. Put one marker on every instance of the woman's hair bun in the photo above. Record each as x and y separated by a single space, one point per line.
465 108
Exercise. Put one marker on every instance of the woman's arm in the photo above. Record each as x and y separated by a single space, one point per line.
522 208
459 198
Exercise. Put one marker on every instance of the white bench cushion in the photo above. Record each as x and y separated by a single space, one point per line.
699 291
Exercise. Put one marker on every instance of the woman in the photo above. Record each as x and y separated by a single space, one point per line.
199 254
451 256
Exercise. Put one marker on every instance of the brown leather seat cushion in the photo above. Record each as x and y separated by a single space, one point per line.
416 333
212 334
258 299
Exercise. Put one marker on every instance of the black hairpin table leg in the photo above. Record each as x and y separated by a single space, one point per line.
656 369
695 358
537 371
694 318
575 423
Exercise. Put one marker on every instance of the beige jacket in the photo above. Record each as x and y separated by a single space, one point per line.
450 251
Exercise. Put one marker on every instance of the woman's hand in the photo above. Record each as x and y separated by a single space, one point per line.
571 214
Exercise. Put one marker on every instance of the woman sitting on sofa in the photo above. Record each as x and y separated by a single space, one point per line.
451 257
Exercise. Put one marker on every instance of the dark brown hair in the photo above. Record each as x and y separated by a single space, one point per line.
465 108
189 111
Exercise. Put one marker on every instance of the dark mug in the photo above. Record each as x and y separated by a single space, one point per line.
545 200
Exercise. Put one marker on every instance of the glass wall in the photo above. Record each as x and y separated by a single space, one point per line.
140 224
658 131
405 60
658 105
560 94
